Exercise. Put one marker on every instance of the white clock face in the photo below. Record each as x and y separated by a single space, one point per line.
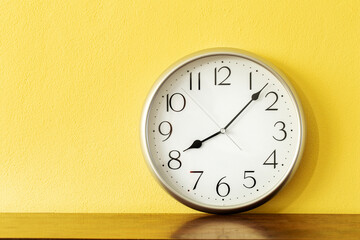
222 132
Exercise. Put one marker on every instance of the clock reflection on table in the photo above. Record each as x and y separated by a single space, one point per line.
221 227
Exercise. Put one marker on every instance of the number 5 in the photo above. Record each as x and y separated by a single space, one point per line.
252 178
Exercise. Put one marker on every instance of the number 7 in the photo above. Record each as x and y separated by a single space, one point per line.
201 173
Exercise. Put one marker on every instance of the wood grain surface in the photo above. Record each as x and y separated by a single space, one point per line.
178 226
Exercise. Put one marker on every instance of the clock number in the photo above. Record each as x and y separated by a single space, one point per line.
191 81
250 80
246 176
222 184
171 164
271 157
178 107
168 133
276 98
282 130
222 83
201 173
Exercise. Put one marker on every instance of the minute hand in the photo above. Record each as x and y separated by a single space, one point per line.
254 97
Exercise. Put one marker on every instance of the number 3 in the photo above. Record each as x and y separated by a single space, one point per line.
282 130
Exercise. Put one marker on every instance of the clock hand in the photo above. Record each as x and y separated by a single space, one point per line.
198 143
254 97
210 117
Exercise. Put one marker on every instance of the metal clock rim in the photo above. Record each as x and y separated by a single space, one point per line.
213 52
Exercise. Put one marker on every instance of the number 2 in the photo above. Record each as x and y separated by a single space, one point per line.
271 106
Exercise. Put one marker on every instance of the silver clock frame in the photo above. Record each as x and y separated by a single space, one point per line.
144 131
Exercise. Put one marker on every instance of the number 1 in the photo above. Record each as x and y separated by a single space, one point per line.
250 80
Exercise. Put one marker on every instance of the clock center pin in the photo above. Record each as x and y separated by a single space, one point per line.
222 130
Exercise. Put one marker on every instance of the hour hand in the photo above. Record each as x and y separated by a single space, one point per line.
195 144
198 143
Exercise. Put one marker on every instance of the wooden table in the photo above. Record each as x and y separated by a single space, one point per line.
178 226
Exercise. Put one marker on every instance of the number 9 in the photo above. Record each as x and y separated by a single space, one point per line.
168 133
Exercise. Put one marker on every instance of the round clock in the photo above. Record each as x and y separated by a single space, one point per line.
222 130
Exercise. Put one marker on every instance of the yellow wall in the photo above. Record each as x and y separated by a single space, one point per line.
74 76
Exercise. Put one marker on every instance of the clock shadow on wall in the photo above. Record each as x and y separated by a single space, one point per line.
303 174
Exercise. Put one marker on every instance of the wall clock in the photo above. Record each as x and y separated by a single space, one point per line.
222 130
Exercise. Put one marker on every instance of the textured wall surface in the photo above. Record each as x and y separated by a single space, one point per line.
74 76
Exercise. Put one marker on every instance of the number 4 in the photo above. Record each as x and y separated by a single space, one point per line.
273 157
